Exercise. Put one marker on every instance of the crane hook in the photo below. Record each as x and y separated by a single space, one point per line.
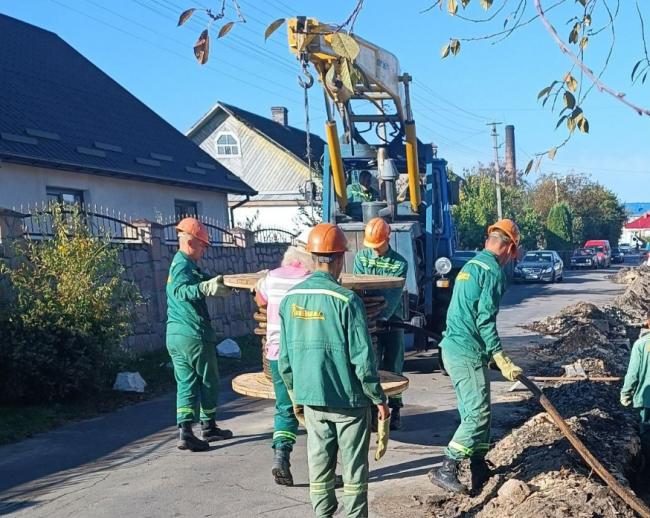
310 79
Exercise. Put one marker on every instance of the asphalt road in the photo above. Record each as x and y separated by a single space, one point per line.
127 464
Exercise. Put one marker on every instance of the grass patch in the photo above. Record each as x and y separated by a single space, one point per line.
20 422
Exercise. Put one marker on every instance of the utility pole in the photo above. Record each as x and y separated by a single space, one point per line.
497 176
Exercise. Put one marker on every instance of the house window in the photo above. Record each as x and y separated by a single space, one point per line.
65 196
227 145
185 208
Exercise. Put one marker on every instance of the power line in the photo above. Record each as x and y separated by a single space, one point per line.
225 74
482 119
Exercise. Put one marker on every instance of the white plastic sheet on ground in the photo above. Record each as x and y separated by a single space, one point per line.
229 349
130 382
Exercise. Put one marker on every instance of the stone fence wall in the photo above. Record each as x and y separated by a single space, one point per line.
147 264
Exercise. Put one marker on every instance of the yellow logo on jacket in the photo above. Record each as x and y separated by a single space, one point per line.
305 314
462 276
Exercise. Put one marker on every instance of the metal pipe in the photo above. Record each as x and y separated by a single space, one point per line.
628 497
338 171
412 165
236 206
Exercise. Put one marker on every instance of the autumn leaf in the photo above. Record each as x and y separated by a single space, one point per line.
273 27
486 4
455 47
529 167
584 42
571 124
345 45
539 162
551 153
544 92
362 77
445 52
634 69
583 125
202 47
587 20
572 83
185 15
452 7
569 100
347 75
225 29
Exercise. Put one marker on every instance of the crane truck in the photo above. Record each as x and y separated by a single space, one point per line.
372 98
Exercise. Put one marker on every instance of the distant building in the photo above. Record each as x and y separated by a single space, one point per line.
637 230
267 154
69 132
635 210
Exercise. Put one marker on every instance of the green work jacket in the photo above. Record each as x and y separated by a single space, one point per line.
472 315
637 379
356 194
187 310
326 354
390 264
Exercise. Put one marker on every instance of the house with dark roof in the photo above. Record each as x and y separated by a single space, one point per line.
69 132
267 154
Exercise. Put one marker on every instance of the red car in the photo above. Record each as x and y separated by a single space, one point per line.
603 251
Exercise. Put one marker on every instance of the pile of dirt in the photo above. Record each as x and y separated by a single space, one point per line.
629 274
570 317
557 481
634 302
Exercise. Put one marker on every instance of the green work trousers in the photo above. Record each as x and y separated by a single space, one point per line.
286 424
197 377
469 376
644 432
328 431
390 352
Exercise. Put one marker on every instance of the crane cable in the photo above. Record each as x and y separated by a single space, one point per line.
306 85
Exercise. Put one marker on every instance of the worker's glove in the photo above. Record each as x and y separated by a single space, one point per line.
383 427
214 287
298 410
382 323
626 399
508 369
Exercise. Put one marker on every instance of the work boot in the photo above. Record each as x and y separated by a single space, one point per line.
211 432
446 476
480 472
395 419
281 465
188 441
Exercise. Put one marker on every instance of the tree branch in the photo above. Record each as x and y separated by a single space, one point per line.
564 48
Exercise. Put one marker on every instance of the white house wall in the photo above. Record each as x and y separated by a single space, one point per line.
270 217
23 185
262 164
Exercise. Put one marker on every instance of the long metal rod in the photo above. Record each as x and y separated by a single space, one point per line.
628 497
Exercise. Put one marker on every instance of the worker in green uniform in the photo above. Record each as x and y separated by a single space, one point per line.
636 389
327 364
469 342
360 192
191 341
380 259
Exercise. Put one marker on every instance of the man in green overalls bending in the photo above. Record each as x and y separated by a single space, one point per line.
191 341
360 192
636 389
469 341
327 364
380 259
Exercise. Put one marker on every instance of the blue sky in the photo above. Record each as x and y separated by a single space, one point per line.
137 43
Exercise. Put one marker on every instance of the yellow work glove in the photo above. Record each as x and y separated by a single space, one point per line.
383 428
214 287
298 410
509 370
626 399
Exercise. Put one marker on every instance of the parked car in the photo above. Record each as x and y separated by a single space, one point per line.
625 247
617 255
584 258
603 251
540 265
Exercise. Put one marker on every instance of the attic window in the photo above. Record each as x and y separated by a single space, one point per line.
227 145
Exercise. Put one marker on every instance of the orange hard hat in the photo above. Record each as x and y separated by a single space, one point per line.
194 228
326 238
376 234
510 229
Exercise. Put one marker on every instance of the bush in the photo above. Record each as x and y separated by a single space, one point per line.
70 310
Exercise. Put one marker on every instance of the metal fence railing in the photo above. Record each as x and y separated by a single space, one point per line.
274 236
218 235
38 223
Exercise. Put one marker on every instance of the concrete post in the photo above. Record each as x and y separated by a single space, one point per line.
243 238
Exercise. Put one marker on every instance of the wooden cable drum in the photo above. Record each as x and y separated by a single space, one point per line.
256 384
356 282
266 366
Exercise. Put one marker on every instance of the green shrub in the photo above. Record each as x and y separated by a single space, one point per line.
69 311
559 228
